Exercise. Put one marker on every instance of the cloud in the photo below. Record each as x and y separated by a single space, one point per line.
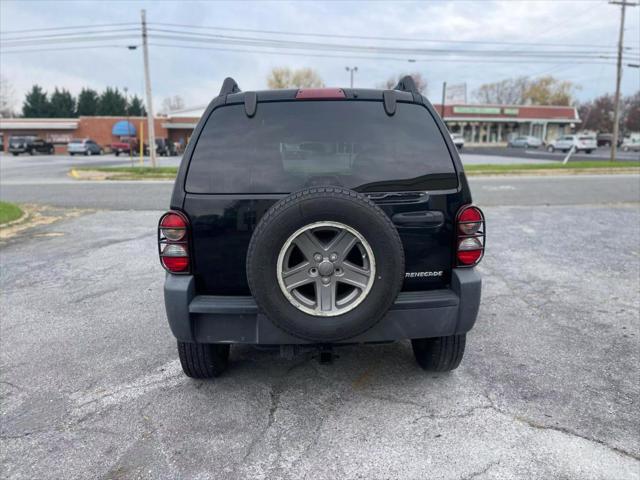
196 75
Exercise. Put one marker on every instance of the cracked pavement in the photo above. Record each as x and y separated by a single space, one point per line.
90 384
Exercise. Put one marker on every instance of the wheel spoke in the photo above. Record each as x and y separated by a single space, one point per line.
296 277
354 276
326 295
343 243
308 244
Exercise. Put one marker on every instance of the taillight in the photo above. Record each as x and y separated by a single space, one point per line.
470 236
173 242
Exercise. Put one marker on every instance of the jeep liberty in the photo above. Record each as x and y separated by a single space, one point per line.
317 218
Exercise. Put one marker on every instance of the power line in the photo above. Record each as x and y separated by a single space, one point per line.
10 32
363 57
62 49
381 49
370 37
70 34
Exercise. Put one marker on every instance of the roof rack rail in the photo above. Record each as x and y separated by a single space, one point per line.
407 84
229 86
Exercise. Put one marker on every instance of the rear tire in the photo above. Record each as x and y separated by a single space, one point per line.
439 354
551 149
203 360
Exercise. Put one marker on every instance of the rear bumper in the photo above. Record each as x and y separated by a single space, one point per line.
218 319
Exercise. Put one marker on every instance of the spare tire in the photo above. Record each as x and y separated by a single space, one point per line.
325 264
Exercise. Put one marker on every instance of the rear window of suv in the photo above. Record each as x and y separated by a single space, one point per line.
287 146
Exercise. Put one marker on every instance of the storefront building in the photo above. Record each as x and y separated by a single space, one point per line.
103 130
497 124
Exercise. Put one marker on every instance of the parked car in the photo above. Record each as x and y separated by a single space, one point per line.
124 145
31 145
631 143
458 140
319 229
84 146
606 139
582 143
165 148
525 142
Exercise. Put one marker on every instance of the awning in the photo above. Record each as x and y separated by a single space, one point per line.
124 129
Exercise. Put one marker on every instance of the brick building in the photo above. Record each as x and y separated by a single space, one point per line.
101 129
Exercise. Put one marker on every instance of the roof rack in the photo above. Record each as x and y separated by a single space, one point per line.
229 86
406 84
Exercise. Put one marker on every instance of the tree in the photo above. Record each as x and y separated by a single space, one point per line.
523 91
136 107
549 91
171 104
87 102
36 103
112 102
597 114
506 92
284 77
419 80
62 104
631 115
7 98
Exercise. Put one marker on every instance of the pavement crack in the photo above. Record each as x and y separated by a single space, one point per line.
560 429
488 467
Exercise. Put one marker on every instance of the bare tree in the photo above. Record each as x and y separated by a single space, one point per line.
524 91
506 92
420 81
171 104
284 77
7 98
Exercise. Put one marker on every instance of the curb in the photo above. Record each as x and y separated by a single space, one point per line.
23 217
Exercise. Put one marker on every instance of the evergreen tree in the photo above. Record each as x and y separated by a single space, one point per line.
136 107
36 103
112 102
88 102
62 104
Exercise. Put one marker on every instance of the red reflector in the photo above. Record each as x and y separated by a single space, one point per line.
310 93
469 257
470 214
175 264
173 220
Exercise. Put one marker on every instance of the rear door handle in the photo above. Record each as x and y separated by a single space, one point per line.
421 219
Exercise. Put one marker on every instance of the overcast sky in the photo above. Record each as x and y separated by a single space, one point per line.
196 75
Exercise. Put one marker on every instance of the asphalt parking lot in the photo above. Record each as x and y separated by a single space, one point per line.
91 386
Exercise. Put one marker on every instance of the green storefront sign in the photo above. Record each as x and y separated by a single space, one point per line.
478 110
486 110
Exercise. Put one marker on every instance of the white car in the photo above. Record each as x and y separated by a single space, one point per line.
631 143
582 143
525 142
458 140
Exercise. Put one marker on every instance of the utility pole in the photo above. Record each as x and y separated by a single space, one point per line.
616 106
147 83
444 98
351 70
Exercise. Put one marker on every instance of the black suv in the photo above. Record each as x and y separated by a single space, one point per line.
376 243
30 145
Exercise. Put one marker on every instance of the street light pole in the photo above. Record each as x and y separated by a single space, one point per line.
147 82
351 71
616 100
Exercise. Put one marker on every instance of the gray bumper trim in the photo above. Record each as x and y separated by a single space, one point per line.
223 319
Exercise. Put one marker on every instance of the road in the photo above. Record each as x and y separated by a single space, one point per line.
91 386
44 180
